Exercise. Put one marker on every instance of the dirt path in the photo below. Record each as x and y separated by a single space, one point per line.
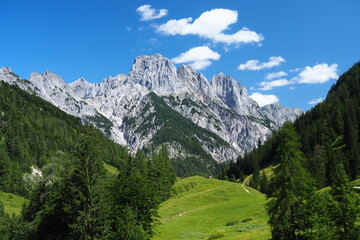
245 189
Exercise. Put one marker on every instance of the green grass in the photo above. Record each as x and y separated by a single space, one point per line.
269 171
111 169
12 203
202 208
356 182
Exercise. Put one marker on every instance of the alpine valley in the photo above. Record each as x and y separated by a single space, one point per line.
157 103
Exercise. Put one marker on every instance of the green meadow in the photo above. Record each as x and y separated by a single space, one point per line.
12 203
202 208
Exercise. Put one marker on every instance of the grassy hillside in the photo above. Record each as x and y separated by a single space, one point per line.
268 172
202 208
12 203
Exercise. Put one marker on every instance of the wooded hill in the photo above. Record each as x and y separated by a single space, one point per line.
332 124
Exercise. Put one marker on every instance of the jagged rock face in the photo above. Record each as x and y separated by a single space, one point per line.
157 74
126 109
279 114
234 95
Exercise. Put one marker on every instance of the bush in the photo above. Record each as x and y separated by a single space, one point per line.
247 220
216 236
232 223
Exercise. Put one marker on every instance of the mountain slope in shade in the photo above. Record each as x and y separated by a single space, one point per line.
122 106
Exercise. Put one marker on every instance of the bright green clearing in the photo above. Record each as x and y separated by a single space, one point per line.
12 203
111 169
269 171
202 208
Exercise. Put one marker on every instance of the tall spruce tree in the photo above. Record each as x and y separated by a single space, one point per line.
346 208
291 187
84 205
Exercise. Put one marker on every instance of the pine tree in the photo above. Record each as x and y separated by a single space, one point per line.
84 201
346 209
5 164
290 189
133 198
161 173
264 183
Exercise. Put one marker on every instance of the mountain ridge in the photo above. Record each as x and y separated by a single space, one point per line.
221 106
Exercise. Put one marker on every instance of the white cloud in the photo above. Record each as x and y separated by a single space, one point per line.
273 75
295 70
211 25
147 13
257 65
197 57
276 83
316 101
263 100
319 73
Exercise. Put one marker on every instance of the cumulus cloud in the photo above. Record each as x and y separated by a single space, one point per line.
316 101
197 57
265 85
274 75
257 65
319 73
263 100
147 13
211 25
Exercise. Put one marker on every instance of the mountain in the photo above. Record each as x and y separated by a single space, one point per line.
140 108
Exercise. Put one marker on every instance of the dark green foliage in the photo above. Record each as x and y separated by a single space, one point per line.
232 223
291 187
101 122
264 183
255 180
32 131
136 194
161 173
346 208
193 165
216 236
83 203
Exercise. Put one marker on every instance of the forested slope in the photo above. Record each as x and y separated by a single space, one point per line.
32 132
330 125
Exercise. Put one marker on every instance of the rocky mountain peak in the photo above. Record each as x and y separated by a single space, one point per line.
47 78
225 83
114 82
234 95
156 73
5 70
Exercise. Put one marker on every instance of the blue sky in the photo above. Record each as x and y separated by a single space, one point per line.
286 51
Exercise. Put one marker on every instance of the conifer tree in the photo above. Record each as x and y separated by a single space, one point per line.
264 183
84 206
134 203
290 189
346 209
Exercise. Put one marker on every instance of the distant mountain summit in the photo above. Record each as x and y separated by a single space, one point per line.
155 104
